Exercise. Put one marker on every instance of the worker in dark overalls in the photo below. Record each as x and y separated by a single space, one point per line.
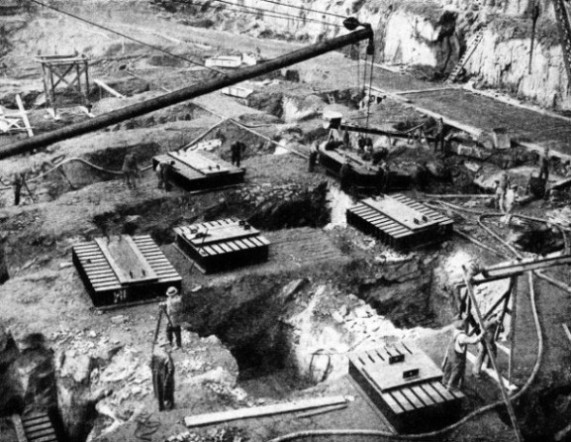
454 363
167 175
345 176
162 369
236 152
17 183
380 179
439 133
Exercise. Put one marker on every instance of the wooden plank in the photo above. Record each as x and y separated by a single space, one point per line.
19 428
255 412
24 116
109 89
422 395
434 395
411 397
394 405
403 401
442 390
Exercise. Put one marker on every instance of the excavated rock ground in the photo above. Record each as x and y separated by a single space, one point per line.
245 364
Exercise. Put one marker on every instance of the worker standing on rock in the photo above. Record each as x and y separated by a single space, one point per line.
173 310
130 170
492 325
236 150
167 175
162 369
544 166
454 363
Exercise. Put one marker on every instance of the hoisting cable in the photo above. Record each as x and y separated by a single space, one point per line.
105 28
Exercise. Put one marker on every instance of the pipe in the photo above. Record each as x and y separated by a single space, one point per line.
188 93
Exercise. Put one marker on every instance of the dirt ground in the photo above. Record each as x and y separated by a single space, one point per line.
240 348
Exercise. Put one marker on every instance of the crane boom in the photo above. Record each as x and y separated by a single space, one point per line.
188 93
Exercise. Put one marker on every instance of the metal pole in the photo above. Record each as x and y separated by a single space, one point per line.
512 331
492 358
184 94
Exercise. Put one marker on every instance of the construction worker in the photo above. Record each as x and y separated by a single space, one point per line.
312 157
130 170
501 188
167 175
236 149
380 179
509 203
17 183
162 369
439 133
173 309
544 166
160 176
491 325
454 363
345 176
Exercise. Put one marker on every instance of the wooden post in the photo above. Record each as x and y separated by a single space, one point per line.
492 358
24 115
512 330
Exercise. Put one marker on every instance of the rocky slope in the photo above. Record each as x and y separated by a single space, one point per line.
432 34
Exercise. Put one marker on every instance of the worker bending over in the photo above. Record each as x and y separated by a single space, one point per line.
454 363
162 369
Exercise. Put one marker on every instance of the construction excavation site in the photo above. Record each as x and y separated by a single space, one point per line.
285 220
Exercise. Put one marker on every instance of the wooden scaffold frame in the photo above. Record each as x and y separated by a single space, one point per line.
70 71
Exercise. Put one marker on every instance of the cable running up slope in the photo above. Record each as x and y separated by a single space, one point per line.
105 28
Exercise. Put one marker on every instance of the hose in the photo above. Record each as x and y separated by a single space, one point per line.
81 160
473 414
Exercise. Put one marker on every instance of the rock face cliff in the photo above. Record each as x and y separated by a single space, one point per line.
433 34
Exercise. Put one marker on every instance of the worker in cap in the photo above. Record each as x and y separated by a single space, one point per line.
173 309
454 363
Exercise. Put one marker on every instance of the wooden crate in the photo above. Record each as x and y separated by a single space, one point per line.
223 244
399 221
198 171
124 269
405 384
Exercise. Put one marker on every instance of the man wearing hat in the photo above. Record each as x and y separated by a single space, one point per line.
173 310
454 363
